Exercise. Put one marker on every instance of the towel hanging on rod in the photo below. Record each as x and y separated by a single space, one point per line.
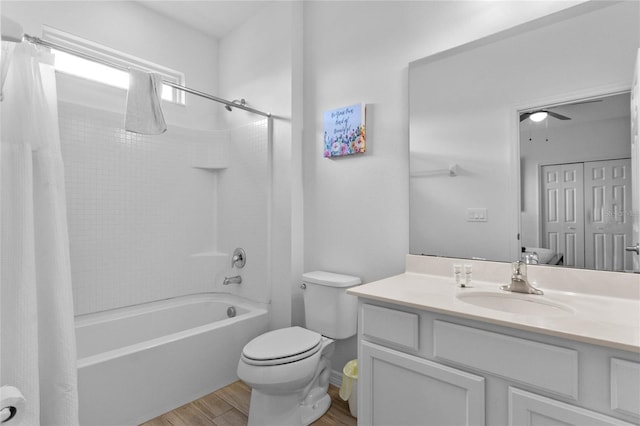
144 112
12 31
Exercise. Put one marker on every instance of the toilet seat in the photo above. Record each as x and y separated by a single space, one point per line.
282 346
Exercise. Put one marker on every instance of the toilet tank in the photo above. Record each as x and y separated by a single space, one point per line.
329 310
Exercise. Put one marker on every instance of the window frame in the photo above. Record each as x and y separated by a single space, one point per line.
116 57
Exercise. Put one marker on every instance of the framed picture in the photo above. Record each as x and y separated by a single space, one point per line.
344 131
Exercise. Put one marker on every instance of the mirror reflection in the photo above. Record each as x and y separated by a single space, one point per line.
477 159
575 174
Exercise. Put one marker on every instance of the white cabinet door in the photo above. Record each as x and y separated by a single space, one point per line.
529 409
403 390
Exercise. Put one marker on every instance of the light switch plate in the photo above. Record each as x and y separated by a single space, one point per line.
477 214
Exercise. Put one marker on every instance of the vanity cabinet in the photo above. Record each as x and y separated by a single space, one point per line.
396 386
419 367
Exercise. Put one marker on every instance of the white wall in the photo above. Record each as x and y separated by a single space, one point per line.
356 209
243 211
259 62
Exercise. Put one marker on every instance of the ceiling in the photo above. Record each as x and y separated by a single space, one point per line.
215 18
607 107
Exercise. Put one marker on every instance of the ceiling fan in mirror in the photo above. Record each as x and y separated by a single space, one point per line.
540 114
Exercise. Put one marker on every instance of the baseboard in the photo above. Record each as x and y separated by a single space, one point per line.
336 378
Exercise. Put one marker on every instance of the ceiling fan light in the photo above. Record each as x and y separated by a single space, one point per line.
538 116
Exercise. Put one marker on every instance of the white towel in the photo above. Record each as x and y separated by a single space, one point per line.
144 112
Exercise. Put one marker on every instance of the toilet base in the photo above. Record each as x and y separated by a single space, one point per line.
311 413
288 404
285 410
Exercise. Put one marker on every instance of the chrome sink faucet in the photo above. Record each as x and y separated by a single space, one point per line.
519 282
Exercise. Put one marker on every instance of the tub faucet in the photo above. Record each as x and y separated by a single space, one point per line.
519 282
239 258
232 280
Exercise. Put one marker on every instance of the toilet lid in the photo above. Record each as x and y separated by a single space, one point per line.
282 345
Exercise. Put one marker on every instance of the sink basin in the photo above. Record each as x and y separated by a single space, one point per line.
515 303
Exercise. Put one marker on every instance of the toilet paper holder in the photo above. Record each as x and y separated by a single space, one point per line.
12 404
7 413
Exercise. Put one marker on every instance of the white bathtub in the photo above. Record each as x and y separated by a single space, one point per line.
138 362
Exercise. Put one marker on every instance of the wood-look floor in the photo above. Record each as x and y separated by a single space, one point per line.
229 406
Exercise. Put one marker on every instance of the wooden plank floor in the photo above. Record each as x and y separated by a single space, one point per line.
229 406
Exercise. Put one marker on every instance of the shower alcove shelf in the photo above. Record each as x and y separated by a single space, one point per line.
212 156
212 167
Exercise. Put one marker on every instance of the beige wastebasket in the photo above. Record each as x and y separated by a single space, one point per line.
349 387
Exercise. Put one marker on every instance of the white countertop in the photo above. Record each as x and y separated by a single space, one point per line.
592 318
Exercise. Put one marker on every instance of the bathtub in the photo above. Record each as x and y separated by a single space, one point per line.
138 362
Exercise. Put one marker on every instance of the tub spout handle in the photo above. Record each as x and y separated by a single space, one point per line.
232 280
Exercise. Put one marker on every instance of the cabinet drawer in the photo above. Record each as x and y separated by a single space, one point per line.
625 387
544 366
390 325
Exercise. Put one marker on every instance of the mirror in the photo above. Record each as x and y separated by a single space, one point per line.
576 180
468 197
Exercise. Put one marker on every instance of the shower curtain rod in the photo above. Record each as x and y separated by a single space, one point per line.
56 46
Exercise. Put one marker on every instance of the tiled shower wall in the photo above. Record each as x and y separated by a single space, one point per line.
243 214
143 220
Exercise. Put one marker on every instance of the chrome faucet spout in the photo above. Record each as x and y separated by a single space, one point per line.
232 280
519 282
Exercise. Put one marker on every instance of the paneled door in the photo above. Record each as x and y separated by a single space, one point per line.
562 211
608 225
585 213
634 245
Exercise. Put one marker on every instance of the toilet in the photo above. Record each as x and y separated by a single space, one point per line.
288 369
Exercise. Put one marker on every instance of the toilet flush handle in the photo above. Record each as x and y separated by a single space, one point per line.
303 286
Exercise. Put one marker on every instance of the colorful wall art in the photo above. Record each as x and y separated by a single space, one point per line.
344 131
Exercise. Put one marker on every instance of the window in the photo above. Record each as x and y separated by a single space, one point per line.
96 71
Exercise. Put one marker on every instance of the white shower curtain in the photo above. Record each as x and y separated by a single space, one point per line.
37 341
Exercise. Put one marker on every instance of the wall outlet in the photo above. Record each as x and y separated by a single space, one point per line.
476 214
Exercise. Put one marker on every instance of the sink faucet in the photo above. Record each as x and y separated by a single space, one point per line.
519 282
232 280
